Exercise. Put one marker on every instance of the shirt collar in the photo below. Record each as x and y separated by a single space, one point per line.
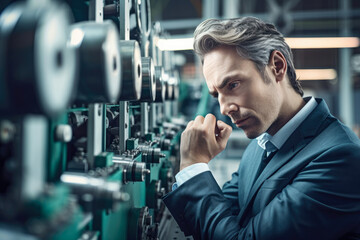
284 133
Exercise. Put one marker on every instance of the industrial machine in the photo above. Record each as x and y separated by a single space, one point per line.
89 127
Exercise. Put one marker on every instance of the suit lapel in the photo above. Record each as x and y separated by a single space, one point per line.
246 172
311 127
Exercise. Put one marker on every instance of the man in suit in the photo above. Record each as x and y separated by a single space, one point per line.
299 178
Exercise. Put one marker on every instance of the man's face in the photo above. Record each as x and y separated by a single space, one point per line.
243 95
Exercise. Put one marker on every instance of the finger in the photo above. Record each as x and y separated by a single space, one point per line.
221 125
199 119
224 129
189 124
210 122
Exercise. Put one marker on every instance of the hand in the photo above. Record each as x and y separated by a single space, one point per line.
202 140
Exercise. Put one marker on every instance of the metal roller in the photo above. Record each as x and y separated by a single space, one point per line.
160 88
174 82
168 87
104 194
133 171
148 90
37 70
100 68
131 66
150 154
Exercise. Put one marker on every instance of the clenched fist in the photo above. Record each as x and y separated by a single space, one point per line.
202 140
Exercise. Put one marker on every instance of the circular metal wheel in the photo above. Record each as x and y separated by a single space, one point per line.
146 19
131 70
148 90
100 68
174 81
160 88
140 17
141 226
135 15
37 69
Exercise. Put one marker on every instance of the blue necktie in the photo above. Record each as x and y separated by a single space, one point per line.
269 147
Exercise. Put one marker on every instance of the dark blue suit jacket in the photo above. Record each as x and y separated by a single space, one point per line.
309 190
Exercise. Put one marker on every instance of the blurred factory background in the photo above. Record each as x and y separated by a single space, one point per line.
94 95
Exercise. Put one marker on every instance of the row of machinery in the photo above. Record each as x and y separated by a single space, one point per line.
89 126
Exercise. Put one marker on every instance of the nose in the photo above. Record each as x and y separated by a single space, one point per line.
226 105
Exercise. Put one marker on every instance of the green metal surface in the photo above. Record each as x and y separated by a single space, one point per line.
150 137
79 109
56 153
112 223
70 231
103 160
53 204
132 143
115 224
48 204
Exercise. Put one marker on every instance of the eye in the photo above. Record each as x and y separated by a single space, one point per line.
233 85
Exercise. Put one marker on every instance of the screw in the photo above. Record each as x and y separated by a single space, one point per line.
99 110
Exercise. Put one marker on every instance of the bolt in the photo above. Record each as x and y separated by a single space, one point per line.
148 220
125 197
99 110
7 131
63 133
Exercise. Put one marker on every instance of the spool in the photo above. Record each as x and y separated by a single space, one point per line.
160 88
148 90
99 65
37 69
132 69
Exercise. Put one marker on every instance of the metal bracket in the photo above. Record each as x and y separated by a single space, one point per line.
124 17
96 8
94 132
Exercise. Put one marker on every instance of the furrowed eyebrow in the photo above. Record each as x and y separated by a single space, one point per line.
221 86
225 82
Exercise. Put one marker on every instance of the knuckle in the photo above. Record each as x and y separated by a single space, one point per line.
209 115
199 117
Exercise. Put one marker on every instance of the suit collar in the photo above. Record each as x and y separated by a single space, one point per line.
309 128
285 132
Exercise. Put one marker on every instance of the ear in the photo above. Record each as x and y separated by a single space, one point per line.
277 64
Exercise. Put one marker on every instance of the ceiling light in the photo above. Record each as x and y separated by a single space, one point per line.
316 74
323 42
175 44
178 44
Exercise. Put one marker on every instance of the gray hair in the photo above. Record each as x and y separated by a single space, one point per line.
254 40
